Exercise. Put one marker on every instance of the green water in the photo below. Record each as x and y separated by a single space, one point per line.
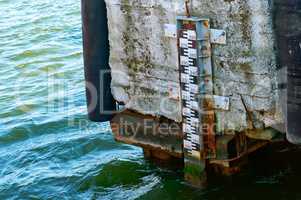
48 150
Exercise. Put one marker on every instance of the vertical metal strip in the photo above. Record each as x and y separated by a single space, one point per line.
207 116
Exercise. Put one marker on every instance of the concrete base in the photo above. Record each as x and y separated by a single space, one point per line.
150 133
162 142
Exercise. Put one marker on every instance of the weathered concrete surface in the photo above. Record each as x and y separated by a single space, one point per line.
145 65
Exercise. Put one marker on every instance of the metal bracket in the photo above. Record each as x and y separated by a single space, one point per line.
170 30
218 36
221 103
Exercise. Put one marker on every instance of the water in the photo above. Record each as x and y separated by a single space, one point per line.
48 149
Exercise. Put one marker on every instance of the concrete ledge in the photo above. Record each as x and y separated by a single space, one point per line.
148 132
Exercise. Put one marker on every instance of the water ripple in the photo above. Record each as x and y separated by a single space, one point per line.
47 146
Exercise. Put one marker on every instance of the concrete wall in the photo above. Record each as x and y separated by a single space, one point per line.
145 66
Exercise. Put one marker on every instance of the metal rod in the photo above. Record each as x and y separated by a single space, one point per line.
187 8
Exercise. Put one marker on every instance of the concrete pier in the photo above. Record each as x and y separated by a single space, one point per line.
204 82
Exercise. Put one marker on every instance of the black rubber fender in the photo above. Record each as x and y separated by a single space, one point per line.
96 51
287 18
